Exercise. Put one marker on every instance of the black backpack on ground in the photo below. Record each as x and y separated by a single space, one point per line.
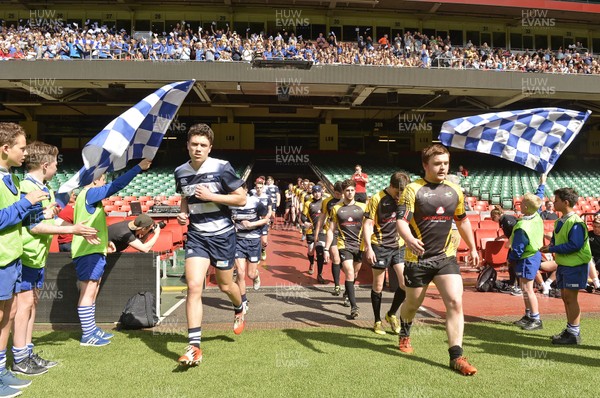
139 312
486 281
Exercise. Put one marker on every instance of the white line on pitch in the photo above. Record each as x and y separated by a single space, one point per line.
170 310
428 312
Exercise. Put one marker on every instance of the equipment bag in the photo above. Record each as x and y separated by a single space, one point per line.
486 281
139 312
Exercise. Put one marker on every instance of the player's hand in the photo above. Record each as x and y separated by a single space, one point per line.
325 256
474 258
246 224
544 249
202 192
370 256
83 230
111 248
37 196
311 250
50 211
145 164
182 218
416 246
93 240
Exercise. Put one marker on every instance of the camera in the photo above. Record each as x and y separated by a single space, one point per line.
160 224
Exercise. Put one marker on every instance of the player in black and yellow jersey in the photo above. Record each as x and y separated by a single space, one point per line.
323 225
384 249
347 218
425 212
310 216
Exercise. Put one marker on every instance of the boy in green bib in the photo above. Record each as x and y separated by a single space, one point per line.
41 164
13 210
570 243
525 241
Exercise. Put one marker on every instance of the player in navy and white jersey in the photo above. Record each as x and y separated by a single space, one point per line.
261 194
249 221
208 187
273 192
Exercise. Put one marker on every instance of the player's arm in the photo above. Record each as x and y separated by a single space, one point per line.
406 208
262 212
329 240
278 198
17 212
145 247
97 194
463 225
305 217
321 219
367 230
62 227
230 182
184 211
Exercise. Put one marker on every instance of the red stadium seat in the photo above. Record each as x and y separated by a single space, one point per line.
482 236
462 252
54 245
474 218
480 208
144 199
109 208
115 198
495 252
118 203
176 231
113 220
164 243
125 208
129 199
488 224
149 203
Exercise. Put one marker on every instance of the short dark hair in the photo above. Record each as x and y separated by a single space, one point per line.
337 187
201 129
9 133
348 183
433 150
567 195
39 152
399 180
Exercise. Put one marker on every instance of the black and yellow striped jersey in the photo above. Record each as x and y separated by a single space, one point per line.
429 209
311 212
382 209
349 221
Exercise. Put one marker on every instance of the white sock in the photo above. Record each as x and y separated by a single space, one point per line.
548 282
596 282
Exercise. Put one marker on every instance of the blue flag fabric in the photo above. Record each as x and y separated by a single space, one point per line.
534 138
135 134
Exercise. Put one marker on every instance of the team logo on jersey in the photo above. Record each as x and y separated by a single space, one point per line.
350 219
428 194
184 180
440 210
448 194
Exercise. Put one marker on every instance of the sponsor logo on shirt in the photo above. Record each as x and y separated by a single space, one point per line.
440 210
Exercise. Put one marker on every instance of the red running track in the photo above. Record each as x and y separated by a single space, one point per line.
286 264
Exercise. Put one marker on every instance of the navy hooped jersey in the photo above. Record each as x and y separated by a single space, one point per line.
272 191
265 199
252 211
208 218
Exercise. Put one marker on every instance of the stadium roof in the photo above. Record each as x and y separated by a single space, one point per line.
560 10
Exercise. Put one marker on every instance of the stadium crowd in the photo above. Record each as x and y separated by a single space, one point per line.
412 49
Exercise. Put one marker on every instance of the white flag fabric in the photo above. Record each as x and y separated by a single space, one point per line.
534 138
135 134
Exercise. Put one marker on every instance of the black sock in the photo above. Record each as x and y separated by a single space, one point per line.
512 275
311 259
405 327
238 310
376 303
455 351
399 296
335 270
350 292
320 262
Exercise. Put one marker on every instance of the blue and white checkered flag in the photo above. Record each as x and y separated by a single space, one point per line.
135 134
534 138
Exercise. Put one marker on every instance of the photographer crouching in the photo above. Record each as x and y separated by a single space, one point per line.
134 233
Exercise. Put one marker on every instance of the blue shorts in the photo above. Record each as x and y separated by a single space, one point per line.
526 271
219 249
249 249
10 279
32 278
265 230
573 278
90 267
